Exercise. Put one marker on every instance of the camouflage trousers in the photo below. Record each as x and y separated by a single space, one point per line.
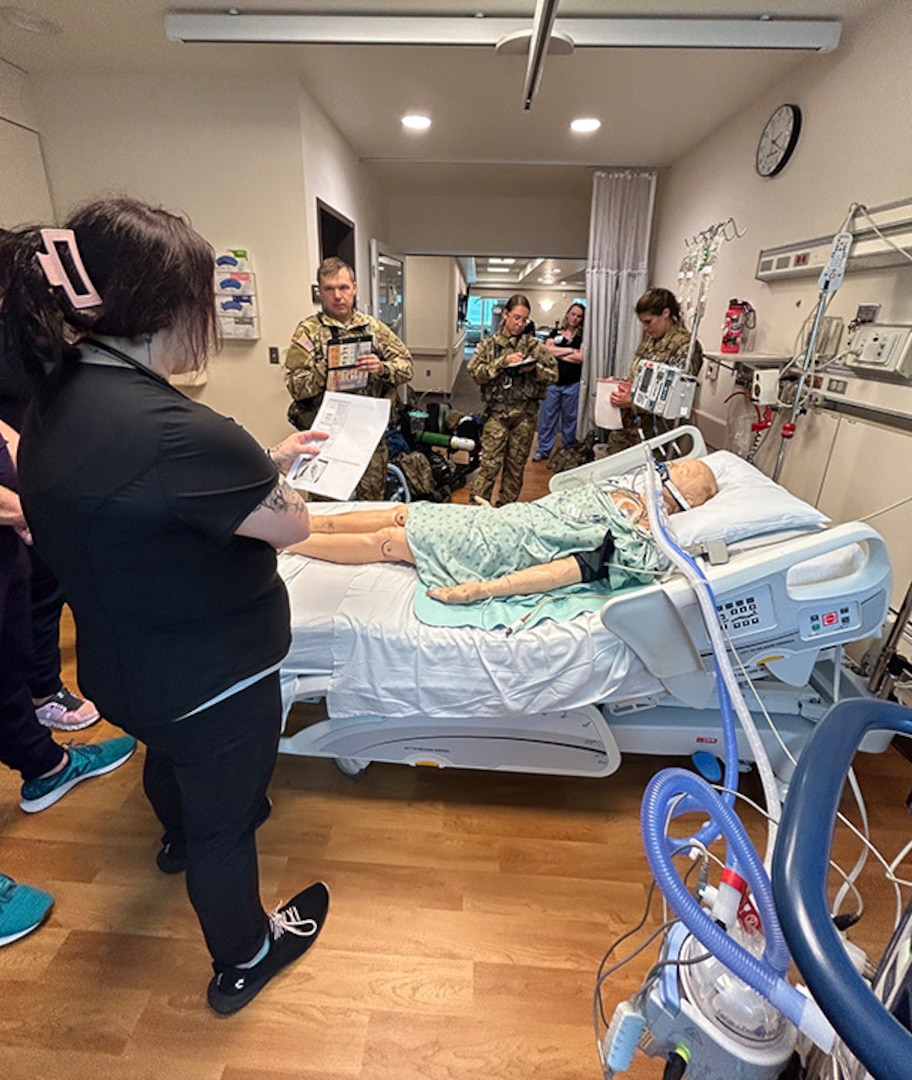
506 440
372 485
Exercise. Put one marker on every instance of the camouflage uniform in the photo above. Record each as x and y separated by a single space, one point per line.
305 377
669 349
511 397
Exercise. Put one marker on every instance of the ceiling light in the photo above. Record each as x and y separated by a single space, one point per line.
497 259
499 270
416 122
585 125
24 19
554 271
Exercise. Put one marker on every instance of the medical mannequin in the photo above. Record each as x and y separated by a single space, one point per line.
390 535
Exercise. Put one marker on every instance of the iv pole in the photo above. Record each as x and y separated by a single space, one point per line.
830 279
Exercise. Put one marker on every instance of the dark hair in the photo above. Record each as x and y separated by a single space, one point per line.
152 271
517 300
575 304
332 267
654 302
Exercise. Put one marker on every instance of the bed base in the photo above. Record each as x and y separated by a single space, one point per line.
588 741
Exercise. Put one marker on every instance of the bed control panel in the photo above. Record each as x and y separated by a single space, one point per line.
821 621
743 615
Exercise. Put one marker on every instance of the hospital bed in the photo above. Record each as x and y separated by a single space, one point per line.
570 697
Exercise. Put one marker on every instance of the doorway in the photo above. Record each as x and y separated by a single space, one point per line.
337 235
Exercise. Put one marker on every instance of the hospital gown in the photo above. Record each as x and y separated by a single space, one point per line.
455 544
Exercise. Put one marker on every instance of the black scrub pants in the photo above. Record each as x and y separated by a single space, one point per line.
206 777
25 745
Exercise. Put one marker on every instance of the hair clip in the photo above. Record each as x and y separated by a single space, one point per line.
80 292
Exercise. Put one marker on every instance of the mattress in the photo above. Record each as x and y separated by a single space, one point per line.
356 625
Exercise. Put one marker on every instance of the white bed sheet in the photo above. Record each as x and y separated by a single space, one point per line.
357 625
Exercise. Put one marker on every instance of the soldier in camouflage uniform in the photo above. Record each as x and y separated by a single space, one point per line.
387 365
665 340
513 369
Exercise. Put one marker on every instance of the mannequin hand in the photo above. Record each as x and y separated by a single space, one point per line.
466 593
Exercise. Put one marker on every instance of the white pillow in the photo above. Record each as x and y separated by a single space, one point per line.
748 504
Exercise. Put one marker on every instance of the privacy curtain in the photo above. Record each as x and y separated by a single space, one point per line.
619 232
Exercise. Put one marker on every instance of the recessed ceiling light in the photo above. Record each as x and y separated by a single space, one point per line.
496 259
499 270
416 122
585 125
29 20
554 271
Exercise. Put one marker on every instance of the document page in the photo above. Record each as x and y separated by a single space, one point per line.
354 425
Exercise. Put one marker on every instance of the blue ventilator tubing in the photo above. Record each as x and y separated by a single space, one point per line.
676 791
766 976
697 578
800 866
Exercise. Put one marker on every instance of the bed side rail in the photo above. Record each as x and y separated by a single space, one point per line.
626 460
777 627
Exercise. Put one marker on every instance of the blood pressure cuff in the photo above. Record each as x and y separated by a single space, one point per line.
596 565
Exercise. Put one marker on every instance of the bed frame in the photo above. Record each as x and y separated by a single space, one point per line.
777 629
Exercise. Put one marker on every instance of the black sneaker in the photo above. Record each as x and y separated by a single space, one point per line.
293 928
172 859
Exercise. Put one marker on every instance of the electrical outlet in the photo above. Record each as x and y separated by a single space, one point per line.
273 354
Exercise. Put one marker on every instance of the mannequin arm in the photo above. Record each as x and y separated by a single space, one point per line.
534 579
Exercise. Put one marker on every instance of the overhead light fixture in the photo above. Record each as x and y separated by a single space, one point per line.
416 121
497 259
585 125
499 270
591 32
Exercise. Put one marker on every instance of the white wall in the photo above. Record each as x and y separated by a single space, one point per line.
855 146
333 174
24 195
450 224
246 172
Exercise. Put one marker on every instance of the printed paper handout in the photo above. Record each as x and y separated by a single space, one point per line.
354 426
341 357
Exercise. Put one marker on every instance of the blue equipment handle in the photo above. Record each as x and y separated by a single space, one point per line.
800 865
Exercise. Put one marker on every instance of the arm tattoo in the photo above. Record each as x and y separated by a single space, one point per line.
283 499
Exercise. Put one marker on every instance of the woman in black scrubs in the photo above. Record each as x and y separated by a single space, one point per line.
161 518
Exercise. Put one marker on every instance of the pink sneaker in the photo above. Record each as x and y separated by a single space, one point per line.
66 712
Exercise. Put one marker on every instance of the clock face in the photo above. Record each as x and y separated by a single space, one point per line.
778 141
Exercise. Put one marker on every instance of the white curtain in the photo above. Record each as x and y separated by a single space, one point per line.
620 227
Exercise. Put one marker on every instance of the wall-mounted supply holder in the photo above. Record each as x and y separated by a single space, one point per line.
236 305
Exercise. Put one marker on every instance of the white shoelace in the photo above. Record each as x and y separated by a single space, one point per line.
287 920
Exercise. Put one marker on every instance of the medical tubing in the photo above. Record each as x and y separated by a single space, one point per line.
766 976
875 1037
697 580
706 600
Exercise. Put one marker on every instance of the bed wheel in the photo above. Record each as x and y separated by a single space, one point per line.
351 766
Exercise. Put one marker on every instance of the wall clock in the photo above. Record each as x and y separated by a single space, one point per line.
778 140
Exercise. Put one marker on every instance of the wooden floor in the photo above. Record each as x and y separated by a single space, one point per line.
469 915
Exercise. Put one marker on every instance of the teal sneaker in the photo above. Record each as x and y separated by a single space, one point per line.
22 909
86 760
